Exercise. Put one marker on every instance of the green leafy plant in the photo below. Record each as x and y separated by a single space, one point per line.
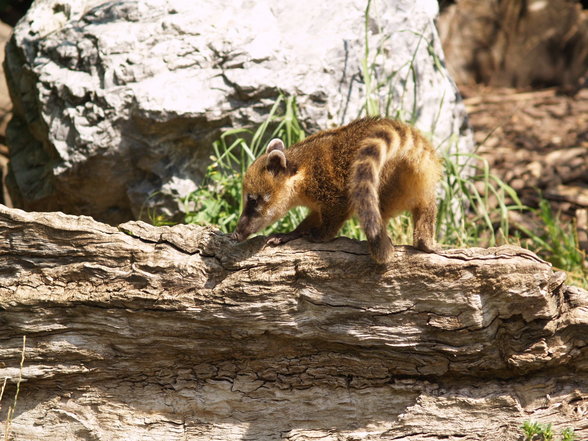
474 208
534 431
372 103
154 216
568 435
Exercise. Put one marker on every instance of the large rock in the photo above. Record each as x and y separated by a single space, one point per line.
165 334
117 103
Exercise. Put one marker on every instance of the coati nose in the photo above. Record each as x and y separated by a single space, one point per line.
245 228
241 232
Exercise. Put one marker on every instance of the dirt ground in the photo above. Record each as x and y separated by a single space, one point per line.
537 142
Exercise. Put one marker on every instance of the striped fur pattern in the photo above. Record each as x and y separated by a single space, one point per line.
374 168
395 169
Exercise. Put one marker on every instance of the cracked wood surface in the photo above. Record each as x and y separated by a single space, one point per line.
179 333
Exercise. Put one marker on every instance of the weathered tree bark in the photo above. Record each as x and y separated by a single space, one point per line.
178 333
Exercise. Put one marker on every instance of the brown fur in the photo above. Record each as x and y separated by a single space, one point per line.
373 167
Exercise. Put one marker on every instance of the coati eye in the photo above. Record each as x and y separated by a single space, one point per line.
253 200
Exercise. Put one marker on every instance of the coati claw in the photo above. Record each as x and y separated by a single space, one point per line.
273 241
282 238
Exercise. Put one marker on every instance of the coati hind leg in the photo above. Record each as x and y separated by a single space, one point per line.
424 217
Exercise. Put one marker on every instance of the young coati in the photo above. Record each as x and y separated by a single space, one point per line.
374 168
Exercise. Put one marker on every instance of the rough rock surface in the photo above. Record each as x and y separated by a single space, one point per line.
117 103
178 333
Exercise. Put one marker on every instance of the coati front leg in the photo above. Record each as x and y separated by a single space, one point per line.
332 218
316 227
303 229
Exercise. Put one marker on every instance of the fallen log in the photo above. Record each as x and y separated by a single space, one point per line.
179 333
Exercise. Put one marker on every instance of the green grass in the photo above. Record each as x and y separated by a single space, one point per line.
474 209
558 243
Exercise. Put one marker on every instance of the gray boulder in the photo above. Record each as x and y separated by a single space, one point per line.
117 103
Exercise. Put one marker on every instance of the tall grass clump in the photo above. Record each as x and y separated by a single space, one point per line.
475 204
12 408
558 243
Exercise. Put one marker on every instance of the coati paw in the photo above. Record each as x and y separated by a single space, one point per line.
274 240
317 237
426 247
281 238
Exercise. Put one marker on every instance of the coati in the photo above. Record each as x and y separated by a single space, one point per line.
373 167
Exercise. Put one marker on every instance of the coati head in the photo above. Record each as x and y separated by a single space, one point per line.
267 191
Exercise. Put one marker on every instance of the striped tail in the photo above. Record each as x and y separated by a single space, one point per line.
370 158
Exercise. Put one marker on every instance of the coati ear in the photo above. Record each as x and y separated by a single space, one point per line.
276 159
275 144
